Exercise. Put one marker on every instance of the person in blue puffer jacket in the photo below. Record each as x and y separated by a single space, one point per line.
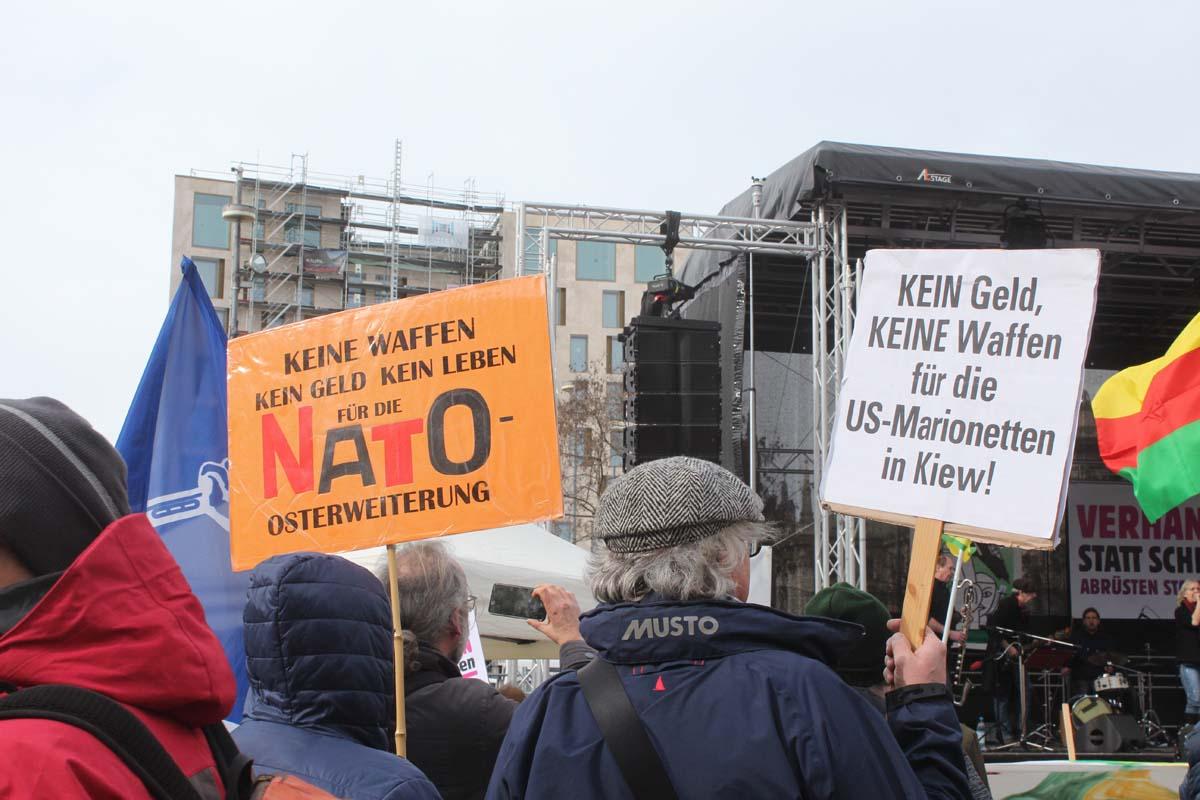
322 701
738 700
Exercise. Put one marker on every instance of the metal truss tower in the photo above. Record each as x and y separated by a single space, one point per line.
839 542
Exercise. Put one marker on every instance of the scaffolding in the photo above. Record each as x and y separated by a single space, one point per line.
371 226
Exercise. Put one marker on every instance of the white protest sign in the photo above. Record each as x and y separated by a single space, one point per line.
471 664
1121 564
961 390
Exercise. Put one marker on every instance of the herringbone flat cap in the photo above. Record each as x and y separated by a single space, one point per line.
670 502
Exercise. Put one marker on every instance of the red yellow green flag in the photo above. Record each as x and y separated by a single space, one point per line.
1148 425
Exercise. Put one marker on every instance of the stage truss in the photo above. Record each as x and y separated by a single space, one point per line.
839 541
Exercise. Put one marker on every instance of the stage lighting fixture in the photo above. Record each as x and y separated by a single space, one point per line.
1024 227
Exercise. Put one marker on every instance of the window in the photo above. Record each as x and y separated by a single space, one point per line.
212 273
312 233
615 357
649 262
616 445
296 208
208 229
306 296
223 316
259 291
381 295
562 529
596 261
354 298
579 355
533 251
613 309
560 306
614 400
259 231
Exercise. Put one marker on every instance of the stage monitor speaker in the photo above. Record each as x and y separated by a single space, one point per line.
1111 733
673 389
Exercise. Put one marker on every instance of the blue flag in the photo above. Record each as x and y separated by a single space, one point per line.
175 444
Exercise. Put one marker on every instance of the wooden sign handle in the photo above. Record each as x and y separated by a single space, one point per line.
398 653
1068 728
926 545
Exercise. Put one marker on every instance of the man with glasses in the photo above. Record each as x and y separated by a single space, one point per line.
455 724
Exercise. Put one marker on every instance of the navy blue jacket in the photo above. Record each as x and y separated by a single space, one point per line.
322 693
1190 788
739 702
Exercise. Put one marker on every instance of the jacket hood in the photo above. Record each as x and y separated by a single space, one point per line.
319 648
654 631
123 621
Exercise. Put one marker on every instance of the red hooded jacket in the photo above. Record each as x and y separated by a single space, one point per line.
121 621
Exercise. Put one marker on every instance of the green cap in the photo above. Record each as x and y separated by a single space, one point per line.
862 665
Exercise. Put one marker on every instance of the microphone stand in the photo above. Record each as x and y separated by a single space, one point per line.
1026 740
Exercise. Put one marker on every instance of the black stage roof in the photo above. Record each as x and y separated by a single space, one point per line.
1146 223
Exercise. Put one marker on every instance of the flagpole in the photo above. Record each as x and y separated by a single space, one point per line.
953 592
398 647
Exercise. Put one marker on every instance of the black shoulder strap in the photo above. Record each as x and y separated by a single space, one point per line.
235 767
111 723
624 733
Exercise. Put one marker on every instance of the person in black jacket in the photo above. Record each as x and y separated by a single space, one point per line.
1187 647
1094 648
455 724
1003 653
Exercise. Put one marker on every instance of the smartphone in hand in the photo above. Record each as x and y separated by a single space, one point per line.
515 601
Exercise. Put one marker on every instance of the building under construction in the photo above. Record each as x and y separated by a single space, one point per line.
308 243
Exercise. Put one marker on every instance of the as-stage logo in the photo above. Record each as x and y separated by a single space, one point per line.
933 177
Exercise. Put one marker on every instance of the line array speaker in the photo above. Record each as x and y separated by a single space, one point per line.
673 386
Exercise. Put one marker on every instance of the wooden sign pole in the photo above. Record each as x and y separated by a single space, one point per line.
398 647
926 544
1068 728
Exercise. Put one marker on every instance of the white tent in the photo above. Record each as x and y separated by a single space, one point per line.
520 555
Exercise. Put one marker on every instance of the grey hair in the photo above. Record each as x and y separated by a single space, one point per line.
432 585
699 570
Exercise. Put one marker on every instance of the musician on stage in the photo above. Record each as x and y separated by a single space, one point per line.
1001 671
1095 649
1187 647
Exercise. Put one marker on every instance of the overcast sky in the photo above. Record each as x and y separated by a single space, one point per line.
640 104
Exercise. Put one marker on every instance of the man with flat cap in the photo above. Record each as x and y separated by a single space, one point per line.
696 693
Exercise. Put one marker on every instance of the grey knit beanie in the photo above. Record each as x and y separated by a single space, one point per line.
61 483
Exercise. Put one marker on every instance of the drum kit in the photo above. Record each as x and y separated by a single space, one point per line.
1114 715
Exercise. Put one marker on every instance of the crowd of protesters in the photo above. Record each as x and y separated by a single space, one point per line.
673 685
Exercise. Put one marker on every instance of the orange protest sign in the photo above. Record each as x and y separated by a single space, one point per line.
406 420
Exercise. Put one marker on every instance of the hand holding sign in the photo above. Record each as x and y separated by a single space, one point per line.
906 666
